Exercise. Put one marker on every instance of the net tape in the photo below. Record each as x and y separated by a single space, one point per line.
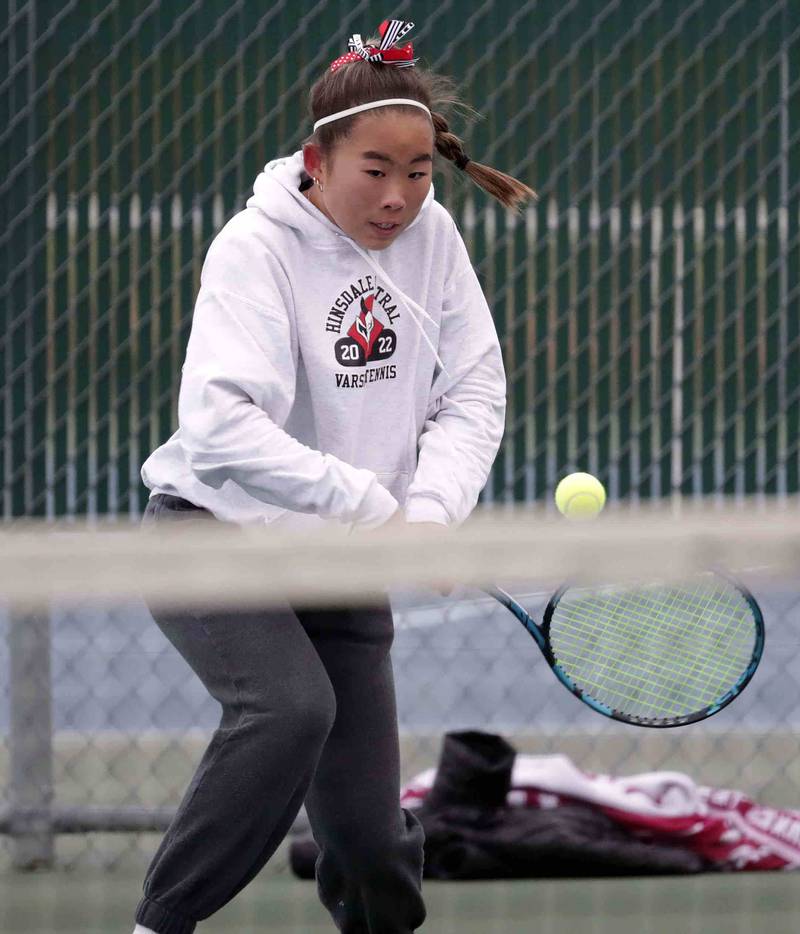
208 564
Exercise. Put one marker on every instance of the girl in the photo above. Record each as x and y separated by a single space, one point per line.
342 367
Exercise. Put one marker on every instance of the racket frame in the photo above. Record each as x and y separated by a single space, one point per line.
541 635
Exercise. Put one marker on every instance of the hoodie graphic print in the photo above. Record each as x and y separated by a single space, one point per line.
324 381
368 339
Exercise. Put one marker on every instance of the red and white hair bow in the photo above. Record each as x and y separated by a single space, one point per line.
391 31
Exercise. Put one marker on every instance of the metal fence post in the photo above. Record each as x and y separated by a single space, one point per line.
31 741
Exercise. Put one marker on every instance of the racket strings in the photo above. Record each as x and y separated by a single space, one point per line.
705 665
614 686
608 624
701 677
643 680
644 697
697 683
654 652
668 627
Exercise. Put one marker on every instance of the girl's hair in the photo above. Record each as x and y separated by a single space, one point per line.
360 82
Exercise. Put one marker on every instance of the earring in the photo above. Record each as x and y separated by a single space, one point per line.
318 184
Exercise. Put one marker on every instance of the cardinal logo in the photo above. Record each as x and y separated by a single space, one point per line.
367 339
366 329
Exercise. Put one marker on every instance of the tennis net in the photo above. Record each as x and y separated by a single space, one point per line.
102 723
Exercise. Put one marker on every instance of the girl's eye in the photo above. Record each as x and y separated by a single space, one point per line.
376 172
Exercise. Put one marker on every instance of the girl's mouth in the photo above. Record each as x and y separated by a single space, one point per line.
384 230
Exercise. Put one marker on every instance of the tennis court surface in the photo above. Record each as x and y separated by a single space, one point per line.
97 903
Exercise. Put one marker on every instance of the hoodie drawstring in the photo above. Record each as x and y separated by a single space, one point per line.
410 304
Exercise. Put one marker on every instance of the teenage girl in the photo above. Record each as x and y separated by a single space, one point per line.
342 367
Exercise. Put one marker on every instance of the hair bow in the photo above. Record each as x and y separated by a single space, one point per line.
391 31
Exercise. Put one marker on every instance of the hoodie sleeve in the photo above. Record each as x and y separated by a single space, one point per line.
467 403
237 388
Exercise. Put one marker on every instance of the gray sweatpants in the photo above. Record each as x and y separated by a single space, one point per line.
308 714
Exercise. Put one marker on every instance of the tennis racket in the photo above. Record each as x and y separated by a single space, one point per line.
657 655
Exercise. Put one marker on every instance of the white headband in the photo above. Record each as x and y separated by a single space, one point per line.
370 106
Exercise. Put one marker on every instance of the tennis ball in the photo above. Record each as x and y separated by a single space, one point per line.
580 496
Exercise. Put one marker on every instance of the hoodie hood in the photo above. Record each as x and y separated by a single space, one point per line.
276 193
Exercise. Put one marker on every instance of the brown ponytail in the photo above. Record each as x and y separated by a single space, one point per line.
505 188
360 82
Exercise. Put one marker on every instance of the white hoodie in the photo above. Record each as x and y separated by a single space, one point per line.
329 380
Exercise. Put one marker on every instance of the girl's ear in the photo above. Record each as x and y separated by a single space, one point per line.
312 157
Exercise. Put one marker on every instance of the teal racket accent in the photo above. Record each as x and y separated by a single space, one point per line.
657 655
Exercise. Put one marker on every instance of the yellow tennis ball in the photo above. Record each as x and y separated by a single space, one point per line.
580 496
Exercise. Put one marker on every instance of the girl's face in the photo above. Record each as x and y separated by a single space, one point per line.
379 175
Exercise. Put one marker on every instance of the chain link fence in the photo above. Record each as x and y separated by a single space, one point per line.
103 722
647 305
